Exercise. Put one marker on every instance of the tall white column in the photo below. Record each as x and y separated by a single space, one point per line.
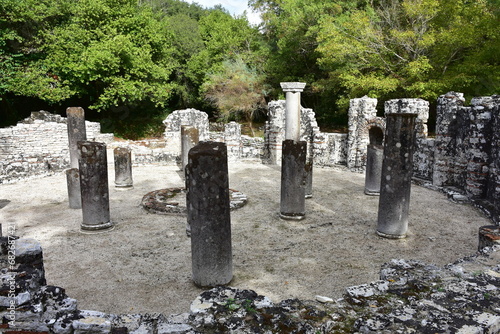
292 112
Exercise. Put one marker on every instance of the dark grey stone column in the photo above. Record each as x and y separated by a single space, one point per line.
309 179
374 158
397 170
190 137
489 236
123 168
76 132
207 200
94 186
74 193
293 180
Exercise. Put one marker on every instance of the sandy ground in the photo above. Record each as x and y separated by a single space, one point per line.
144 264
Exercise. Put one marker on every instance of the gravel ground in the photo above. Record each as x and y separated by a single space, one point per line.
144 264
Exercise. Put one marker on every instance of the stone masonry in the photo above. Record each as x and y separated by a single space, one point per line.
38 145
409 297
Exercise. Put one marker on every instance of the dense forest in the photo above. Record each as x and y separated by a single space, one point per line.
131 62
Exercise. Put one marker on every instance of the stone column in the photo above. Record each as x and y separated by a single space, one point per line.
445 145
293 180
123 168
94 186
397 169
190 137
292 113
479 150
208 215
232 138
76 132
74 192
489 236
374 158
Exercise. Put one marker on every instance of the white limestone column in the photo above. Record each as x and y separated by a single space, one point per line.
292 112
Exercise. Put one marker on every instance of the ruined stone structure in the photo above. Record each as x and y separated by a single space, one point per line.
38 146
464 155
410 297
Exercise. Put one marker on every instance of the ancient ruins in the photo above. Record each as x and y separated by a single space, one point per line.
462 160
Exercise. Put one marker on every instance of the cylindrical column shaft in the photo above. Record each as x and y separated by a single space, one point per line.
374 158
293 180
94 186
309 179
74 193
123 168
190 137
292 109
397 170
208 214
76 132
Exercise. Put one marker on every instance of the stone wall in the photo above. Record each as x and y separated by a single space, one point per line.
38 146
409 297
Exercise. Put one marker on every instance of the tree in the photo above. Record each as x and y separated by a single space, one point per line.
417 48
236 90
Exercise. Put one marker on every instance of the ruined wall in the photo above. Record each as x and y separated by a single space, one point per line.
38 145
274 133
409 297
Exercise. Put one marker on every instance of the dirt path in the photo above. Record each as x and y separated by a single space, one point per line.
144 264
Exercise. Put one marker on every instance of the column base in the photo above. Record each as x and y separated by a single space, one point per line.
125 187
292 216
104 227
372 192
391 236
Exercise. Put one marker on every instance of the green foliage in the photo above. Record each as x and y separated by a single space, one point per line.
236 90
417 48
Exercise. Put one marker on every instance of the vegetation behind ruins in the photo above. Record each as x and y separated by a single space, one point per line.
131 62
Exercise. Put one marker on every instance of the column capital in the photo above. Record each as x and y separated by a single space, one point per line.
295 87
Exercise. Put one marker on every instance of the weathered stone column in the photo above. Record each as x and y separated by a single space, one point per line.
190 137
479 150
74 192
232 139
374 158
94 186
123 168
292 113
488 236
445 144
76 132
293 180
397 169
207 200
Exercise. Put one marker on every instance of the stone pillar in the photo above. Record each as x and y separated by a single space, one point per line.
480 137
208 216
232 138
397 169
123 168
94 186
76 132
293 179
292 114
374 158
189 138
488 236
445 143
74 194
308 170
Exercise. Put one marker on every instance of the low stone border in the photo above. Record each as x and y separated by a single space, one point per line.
410 297
163 201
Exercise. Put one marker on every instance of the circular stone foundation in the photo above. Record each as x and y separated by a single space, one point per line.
172 201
